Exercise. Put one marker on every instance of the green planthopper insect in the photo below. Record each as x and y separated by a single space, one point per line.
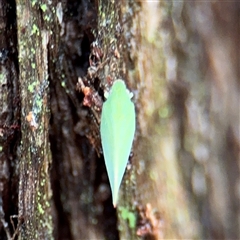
117 128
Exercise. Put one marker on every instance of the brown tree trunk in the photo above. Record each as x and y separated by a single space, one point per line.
9 118
34 209
180 60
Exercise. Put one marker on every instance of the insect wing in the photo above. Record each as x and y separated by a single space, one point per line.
117 133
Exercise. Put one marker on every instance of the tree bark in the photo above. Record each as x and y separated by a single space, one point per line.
180 61
34 208
9 118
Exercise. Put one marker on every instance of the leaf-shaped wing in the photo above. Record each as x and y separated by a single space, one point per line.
117 132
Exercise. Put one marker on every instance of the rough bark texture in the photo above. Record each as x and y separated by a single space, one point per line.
34 180
9 118
180 59
189 117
